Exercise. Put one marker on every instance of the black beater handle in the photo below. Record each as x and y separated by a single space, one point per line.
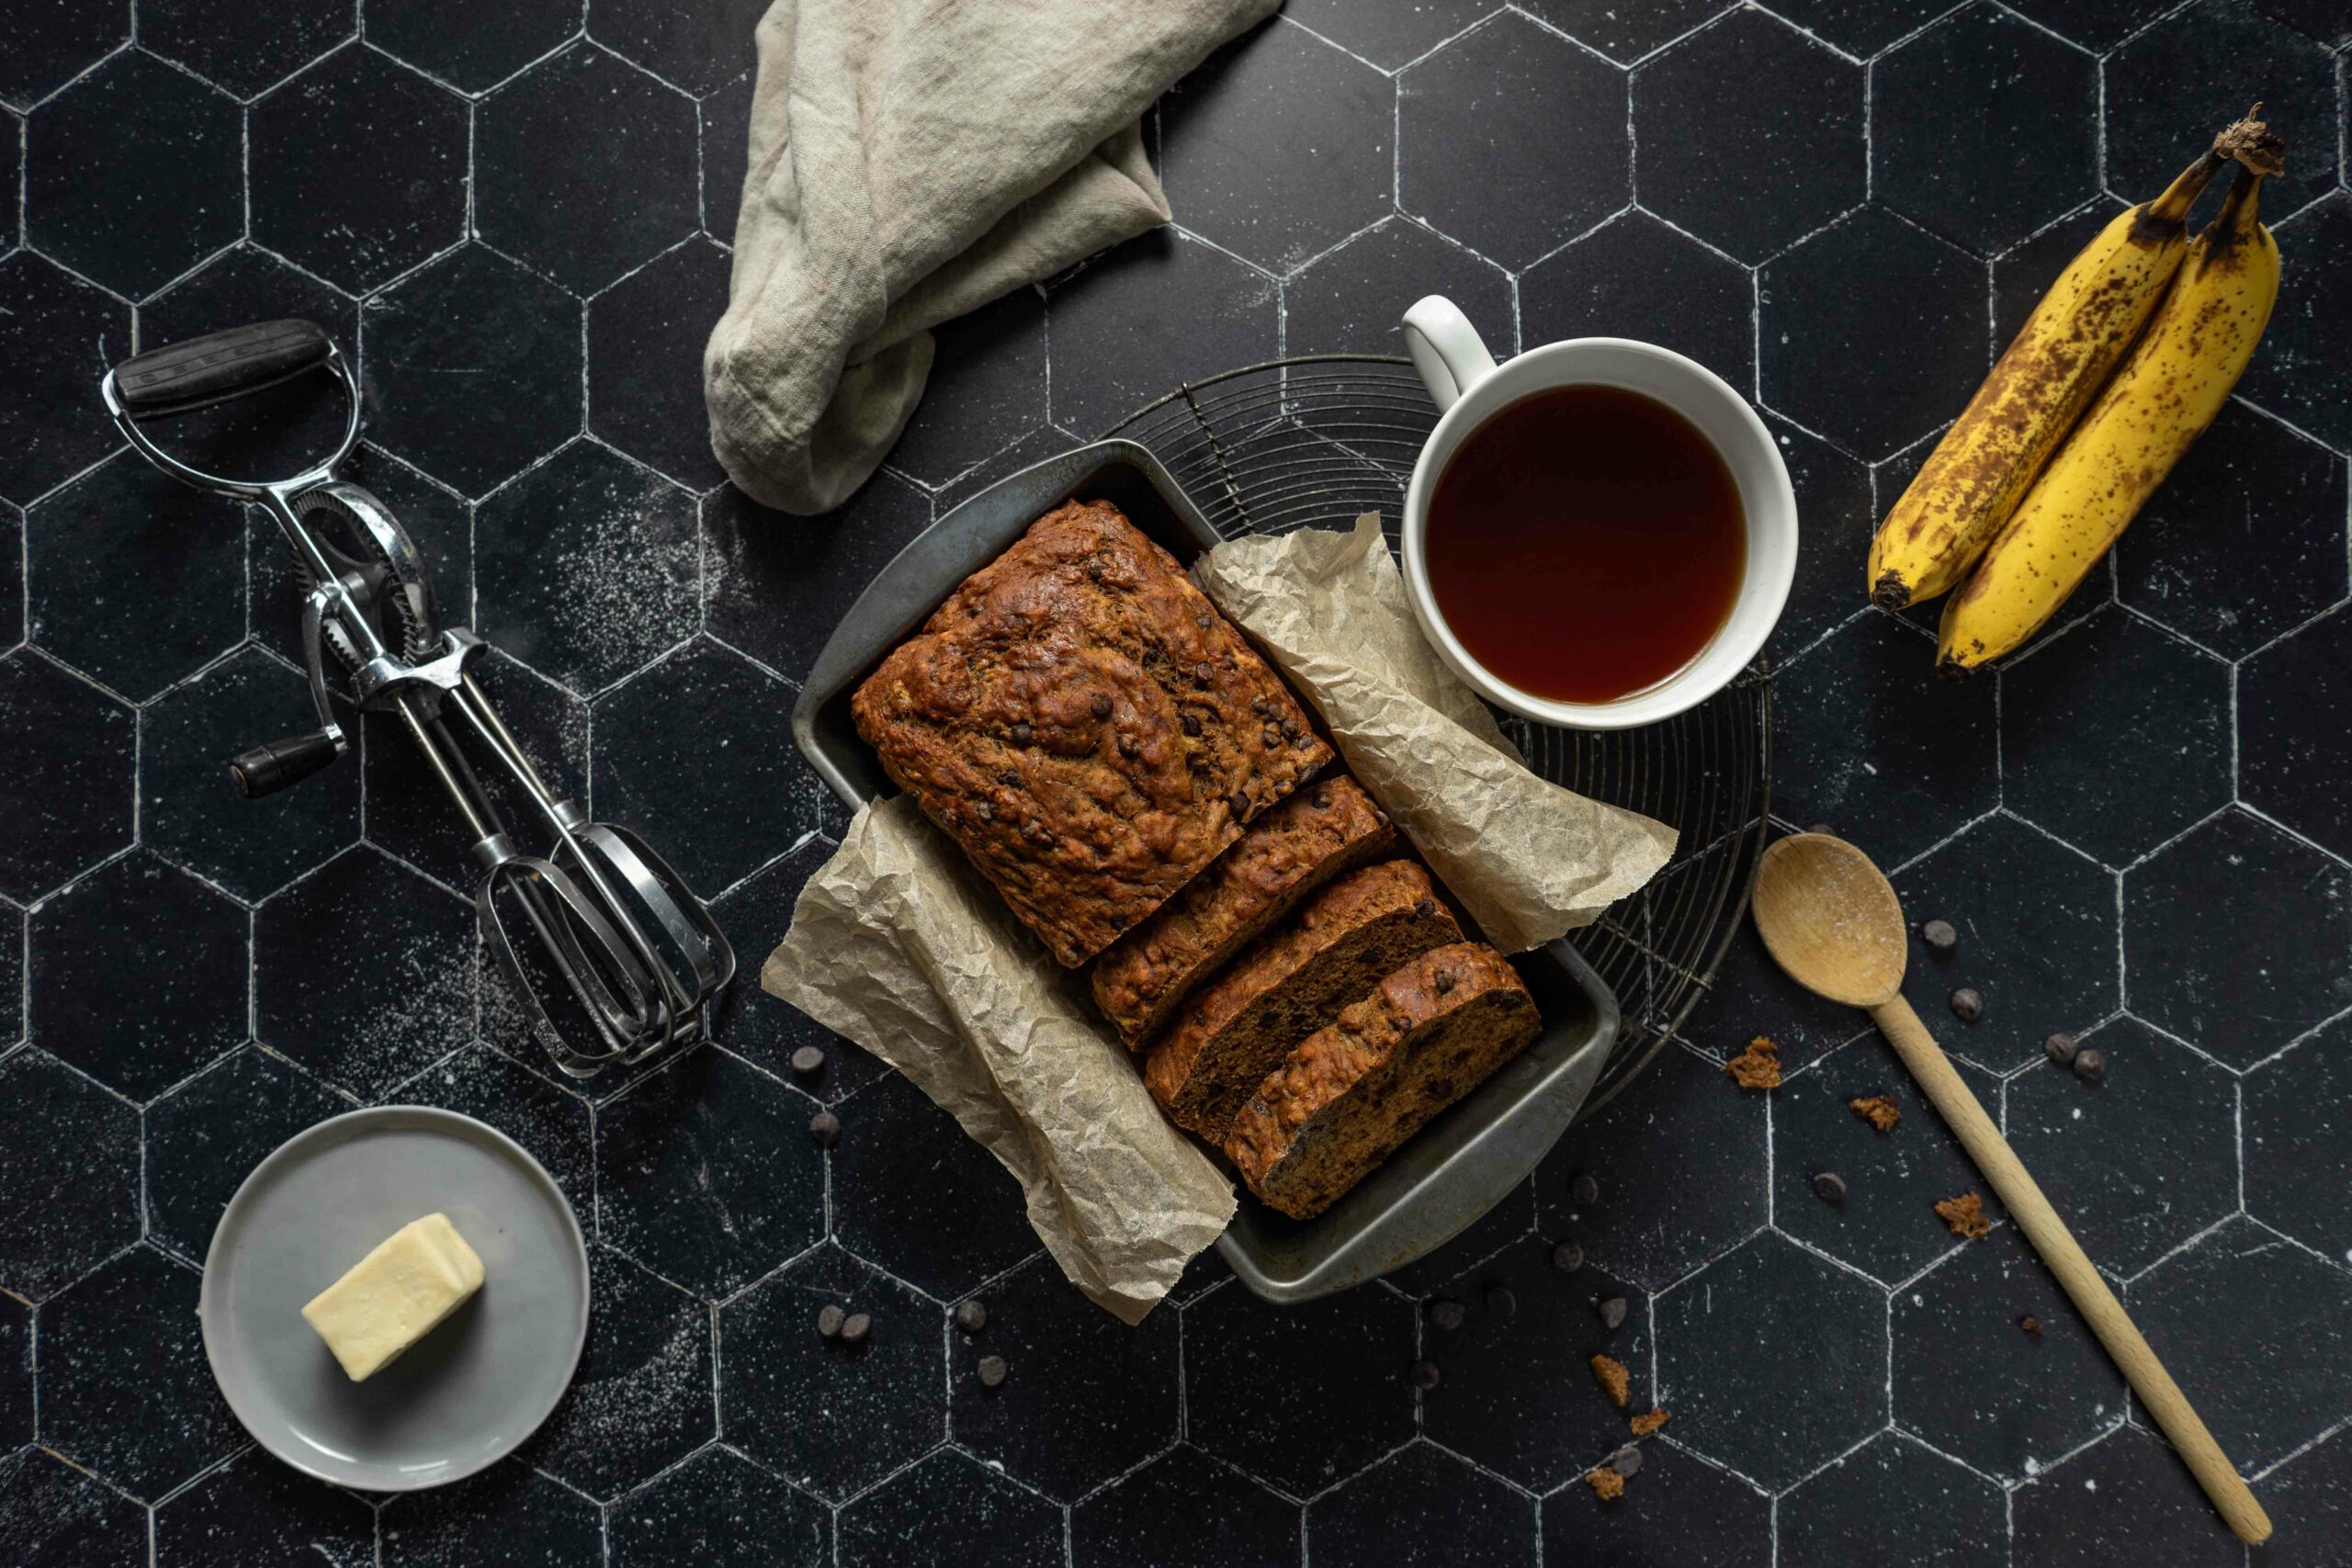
183 377
275 764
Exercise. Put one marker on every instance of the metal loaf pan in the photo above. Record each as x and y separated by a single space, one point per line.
1455 1168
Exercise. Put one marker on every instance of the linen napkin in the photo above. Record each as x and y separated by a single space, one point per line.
912 160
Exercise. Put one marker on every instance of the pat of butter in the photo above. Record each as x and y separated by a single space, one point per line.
395 1295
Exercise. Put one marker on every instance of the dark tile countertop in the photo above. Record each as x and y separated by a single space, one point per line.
2140 829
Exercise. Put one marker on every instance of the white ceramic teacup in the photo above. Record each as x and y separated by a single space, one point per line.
1469 388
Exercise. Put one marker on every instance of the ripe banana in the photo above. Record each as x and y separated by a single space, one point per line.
1970 483
2170 388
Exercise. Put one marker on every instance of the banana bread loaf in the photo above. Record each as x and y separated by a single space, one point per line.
1326 828
1352 1093
1239 1027
1085 725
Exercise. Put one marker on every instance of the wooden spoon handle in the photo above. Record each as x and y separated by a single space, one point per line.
2018 1192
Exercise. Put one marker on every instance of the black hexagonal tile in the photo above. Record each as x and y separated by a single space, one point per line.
767 1029
2128 1498
776 585
1087 1397
69 788
2277 897
125 1389
243 47
915 1195
1388 36
1681 1508
1750 135
551 1124
2311 1493
1278 146
359 169
831 1416
1892 1503
2297 1157
1929 769
1636 278
1835 502
1819 1384
1512 140
69 40
1887 1225
2243 542
584 168
2218 52
1516 1394
204 1137
138 975
254 1510
49 321
506 1516
945 1512
1822 303
2026 1398
644 1396
2249 1370
695 49
721 1510
2292 705
2115 700
1184 1510
695 752
123 541
465 46
1626 33
2141 1163
586 566
12 975
1985 129
726 154
16 1373
12 574
1349 301
53 1515
987 389
1341 1363
1861 27
1421 1508
2302 373
1139 318
132 173
190 811
645 341
2037 940
1512 1219
474 328
2094 24
707 1173
1751 995
69 1202
1682 1115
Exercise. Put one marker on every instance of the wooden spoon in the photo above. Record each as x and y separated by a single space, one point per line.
1831 919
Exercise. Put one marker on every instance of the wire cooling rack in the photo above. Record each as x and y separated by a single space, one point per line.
1319 440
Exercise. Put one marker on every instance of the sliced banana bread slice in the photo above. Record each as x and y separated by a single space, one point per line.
1289 984
1327 828
1352 1093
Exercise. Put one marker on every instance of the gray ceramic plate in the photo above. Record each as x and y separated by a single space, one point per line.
467 1392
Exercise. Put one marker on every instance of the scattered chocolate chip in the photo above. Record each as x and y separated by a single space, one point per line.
1273 733
854 1328
1829 1187
1302 741
1612 1312
1940 936
1128 748
828 1320
1322 801
1009 778
1584 1189
2090 1064
809 1061
971 1316
826 1128
1239 802
1192 725
1261 708
1500 1301
1100 707
1968 1004
1626 1461
992 1370
1568 1257
1447 1314
1425 1375
1023 734
1425 908
2060 1047
1204 671
1292 728
2031 1323
1202 622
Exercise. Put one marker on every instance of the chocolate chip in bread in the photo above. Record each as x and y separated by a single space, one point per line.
1287 984
1322 830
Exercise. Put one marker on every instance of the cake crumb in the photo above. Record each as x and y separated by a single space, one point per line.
1614 1379
1606 1484
1879 1110
1649 1421
2031 1323
1966 1215
1758 1066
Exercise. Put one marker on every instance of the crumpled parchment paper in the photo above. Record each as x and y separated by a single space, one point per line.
898 944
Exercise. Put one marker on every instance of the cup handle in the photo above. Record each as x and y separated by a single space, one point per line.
1445 349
